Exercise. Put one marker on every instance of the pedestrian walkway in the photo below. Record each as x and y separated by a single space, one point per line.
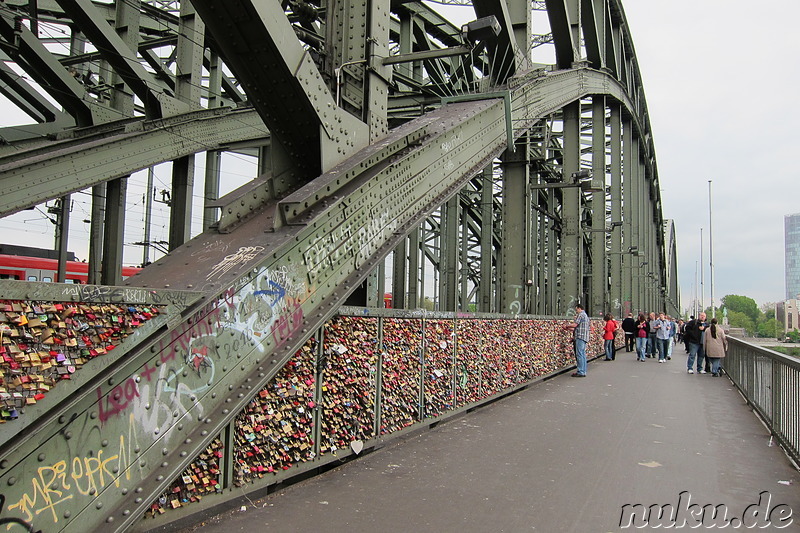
561 456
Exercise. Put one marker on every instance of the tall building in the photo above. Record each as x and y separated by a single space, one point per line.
792 254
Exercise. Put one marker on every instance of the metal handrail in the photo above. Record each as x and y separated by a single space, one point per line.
770 382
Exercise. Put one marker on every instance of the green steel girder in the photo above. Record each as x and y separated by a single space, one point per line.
57 168
114 50
259 44
504 48
43 67
26 98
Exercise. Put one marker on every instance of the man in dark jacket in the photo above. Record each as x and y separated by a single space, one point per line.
693 337
629 327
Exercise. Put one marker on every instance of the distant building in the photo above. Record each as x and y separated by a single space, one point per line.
787 315
792 255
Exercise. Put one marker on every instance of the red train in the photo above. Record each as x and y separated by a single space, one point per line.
29 268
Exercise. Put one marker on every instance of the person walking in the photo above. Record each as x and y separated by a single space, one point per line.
652 340
609 332
715 345
581 327
662 327
630 329
641 336
673 332
693 337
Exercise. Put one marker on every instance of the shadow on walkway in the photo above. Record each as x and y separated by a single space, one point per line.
562 456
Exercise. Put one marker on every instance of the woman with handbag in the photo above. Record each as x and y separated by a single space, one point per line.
715 346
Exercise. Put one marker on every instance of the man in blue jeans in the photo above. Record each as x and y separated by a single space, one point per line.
693 337
581 327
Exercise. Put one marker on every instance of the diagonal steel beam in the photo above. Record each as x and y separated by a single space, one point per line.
282 83
122 59
35 176
23 46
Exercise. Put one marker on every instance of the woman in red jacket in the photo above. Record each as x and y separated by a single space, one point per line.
609 330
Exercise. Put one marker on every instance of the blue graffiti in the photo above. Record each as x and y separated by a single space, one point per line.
277 292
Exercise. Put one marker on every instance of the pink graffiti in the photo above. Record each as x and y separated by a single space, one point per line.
118 400
205 322
286 325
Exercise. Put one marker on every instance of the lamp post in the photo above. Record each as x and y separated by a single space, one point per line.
711 254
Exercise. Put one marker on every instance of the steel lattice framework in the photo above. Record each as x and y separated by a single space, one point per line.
386 137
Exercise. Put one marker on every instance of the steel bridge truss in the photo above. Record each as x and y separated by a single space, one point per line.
380 130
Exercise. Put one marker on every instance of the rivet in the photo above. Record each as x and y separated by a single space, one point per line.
12 480
99 505
160 478
138 489
104 442
164 451
68 435
164 464
92 491
138 500
126 512
93 415
204 433
125 491
137 449
67 514
41 457
110 381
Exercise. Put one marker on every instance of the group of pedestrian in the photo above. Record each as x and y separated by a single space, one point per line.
705 343
654 335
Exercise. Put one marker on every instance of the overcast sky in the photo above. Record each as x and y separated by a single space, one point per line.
721 79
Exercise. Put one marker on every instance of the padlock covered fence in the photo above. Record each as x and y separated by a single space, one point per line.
367 376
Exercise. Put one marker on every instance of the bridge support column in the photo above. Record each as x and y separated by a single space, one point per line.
486 288
599 274
516 212
413 299
618 237
448 254
571 238
114 232
399 275
211 187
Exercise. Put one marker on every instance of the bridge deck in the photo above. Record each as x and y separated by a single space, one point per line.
564 455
